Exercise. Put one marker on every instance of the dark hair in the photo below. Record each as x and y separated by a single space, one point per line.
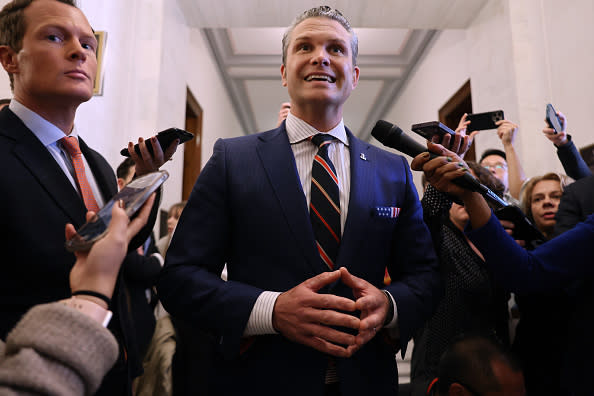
487 178
493 152
468 361
13 25
124 168
4 101
326 12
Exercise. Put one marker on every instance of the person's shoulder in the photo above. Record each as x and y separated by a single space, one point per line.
252 139
585 184
374 151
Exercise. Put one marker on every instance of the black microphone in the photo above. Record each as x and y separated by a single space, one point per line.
392 136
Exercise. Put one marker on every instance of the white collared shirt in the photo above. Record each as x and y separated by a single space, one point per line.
304 151
49 135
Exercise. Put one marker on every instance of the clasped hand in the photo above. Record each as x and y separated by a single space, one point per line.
307 317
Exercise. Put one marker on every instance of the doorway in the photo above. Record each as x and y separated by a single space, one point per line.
193 149
451 112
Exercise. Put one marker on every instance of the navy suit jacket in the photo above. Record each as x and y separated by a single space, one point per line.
248 210
37 201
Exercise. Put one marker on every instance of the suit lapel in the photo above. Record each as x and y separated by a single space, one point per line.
40 163
278 160
360 198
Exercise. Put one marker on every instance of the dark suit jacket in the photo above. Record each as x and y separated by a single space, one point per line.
576 204
37 201
248 210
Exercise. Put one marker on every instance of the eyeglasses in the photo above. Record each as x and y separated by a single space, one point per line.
496 167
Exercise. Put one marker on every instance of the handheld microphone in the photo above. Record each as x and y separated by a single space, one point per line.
392 136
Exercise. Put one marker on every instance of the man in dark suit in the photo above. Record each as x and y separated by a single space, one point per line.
48 49
298 314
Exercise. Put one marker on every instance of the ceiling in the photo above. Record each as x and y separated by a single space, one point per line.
245 39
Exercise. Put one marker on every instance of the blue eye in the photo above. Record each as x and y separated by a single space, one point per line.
54 38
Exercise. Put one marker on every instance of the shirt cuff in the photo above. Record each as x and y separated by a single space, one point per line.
260 321
394 322
159 258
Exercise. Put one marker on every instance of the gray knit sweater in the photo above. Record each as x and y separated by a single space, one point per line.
55 350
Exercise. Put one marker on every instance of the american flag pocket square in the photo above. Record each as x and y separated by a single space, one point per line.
390 212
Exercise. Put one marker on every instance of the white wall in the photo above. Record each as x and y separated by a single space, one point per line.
518 56
439 74
151 57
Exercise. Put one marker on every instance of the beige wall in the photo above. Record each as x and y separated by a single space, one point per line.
152 56
519 56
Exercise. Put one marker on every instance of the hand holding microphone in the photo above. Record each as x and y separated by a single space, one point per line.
392 136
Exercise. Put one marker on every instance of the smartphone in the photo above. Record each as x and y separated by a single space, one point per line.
165 138
431 128
524 229
553 119
134 196
484 121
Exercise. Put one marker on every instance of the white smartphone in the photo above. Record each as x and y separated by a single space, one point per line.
134 196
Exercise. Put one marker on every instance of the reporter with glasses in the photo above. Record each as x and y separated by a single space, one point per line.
549 266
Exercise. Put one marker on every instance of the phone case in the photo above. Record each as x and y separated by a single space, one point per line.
431 128
134 196
164 138
553 120
484 121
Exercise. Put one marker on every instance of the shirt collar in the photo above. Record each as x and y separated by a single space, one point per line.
299 130
45 131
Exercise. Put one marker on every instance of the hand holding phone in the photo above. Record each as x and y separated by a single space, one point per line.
484 121
439 133
165 138
553 119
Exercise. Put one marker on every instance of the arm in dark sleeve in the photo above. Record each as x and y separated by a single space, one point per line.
143 270
190 286
570 210
562 259
416 282
573 163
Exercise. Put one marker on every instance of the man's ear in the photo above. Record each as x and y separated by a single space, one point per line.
9 59
457 390
121 183
283 71
355 76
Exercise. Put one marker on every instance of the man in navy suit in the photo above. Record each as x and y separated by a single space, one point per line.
48 49
288 321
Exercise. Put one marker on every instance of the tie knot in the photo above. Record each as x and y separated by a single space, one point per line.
322 139
70 143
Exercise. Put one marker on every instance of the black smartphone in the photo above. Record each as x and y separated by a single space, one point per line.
134 196
431 128
165 138
553 119
524 229
484 121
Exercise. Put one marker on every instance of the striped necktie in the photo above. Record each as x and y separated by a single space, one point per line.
324 207
70 144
